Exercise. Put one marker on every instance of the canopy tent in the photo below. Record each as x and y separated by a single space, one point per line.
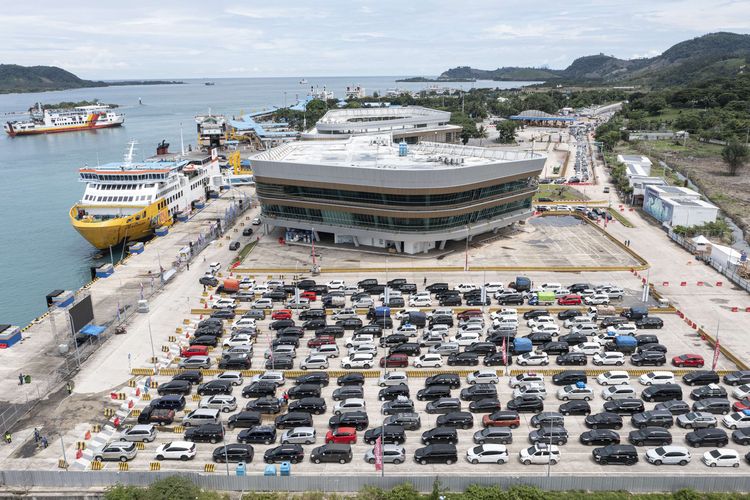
92 330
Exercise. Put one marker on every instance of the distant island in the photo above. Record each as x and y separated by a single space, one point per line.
420 79
16 79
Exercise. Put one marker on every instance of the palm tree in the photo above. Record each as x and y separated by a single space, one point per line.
481 133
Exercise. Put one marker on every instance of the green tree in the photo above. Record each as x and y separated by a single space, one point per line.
481 134
735 155
506 130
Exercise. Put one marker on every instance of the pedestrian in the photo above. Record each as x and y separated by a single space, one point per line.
20 379
69 387
188 266
8 437
37 435
45 443
424 281
286 397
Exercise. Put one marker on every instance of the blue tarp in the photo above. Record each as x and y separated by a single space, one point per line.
92 330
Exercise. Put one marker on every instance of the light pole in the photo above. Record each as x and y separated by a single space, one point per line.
151 338
466 252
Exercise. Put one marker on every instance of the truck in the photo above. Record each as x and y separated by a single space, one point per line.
335 301
635 313
521 284
542 298
379 312
625 344
601 311
229 285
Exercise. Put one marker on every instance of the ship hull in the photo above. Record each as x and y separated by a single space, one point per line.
57 130
111 232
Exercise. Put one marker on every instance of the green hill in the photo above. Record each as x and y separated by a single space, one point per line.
15 78
709 56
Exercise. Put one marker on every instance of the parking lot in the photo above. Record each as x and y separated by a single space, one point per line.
675 335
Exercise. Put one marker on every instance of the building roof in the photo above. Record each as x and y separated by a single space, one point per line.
644 160
378 152
636 169
535 114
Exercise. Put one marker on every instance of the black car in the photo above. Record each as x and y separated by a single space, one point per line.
293 419
526 403
215 387
332 453
393 340
650 436
175 387
539 338
318 378
549 435
450 379
408 420
348 391
648 357
233 453
392 434
316 406
496 435
314 324
285 453
450 300
174 402
547 419
440 435
623 454
651 347
484 348
280 324
436 287
477 301
652 418
511 299
478 391
569 377
674 406
351 379
224 314
717 406
535 313
604 420
192 376
707 437
433 392
702 377
304 391
573 338
575 408
397 405
235 361
206 433
649 322
708 391
555 347
266 405
569 313
244 419
436 454
280 362
599 437
259 389
737 377
356 419
485 405
206 340
741 436
391 392
626 406
572 359
408 348
375 330
350 323
463 359
498 359
208 281
459 419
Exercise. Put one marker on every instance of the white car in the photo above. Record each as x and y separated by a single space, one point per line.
176 450
393 378
603 339
439 312
345 313
244 323
550 287
550 328
314 362
247 283
613 377
533 358
420 302
429 360
360 360
214 267
241 339
540 454
269 376
223 303
223 402
622 391
336 284
537 390
371 348
487 454
407 329
465 338
504 313
608 358
466 287
541 320
360 339
741 391
660 377
350 405
471 327
737 420
482 377
623 329
575 392
391 293
404 313
438 329
526 379
668 455
598 299
588 348
493 287
721 457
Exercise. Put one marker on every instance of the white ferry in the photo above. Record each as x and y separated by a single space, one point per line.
50 121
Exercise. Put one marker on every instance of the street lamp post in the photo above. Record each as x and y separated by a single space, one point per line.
151 338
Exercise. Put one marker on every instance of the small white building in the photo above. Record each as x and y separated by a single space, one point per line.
678 206
639 183
641 165
725 257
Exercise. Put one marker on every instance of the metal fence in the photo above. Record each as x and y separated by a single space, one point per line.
626 482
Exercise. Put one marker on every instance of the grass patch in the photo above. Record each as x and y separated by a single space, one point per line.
244 252
558 192
620 218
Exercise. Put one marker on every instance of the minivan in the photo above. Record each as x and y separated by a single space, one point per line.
616 454
201 416
340 453
661 392
436 454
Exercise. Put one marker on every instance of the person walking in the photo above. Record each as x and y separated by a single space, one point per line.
45 443
37 435
424 281
69 387
20 379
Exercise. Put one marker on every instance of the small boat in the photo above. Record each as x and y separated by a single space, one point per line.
209 83
303 82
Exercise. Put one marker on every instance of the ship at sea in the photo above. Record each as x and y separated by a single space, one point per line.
126 201
49 121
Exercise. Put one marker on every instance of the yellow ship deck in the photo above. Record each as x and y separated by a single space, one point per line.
110 232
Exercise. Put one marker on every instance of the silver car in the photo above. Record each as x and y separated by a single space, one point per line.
223 402
696 420
299 435
392 454
196 362
139 433
121 451
445 348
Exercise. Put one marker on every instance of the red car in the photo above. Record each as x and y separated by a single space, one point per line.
570 300
502 418
342 435
282 314
194 350
397 360
309 295
688 360
469 313
321 340
741 405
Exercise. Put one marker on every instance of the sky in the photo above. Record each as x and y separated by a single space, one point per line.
222 38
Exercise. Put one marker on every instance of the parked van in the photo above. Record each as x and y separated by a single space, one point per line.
201 416
662 392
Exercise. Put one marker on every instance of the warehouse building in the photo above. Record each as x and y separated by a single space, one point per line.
369 191
678 206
